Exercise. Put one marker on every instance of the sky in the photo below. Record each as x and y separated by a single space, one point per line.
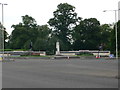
42 10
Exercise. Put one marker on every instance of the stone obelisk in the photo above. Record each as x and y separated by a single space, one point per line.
57 48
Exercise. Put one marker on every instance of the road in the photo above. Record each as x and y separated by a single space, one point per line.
61 73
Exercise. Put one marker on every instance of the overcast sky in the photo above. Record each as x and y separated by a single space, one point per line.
42 10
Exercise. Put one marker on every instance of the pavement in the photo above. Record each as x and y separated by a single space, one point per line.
60 73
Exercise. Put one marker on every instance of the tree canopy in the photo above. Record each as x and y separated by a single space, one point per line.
64 19
87 34
28 32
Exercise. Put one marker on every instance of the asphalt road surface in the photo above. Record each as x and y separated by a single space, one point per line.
61 73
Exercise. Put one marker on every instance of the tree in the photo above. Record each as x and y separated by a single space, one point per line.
41 42
28 21
105 36
87 35
113 39
64 20
2 28
118 24
23 33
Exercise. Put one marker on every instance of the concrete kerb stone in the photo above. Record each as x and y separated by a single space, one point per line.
59 57
65 57
27 57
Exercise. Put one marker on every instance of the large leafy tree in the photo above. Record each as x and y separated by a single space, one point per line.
113 39
87 35
23 33
29 35
105 33
118 36
43 37
3 39
64 19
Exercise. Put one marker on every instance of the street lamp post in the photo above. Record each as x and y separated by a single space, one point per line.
3 24
115 30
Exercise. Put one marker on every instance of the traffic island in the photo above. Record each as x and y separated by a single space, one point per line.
65 57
